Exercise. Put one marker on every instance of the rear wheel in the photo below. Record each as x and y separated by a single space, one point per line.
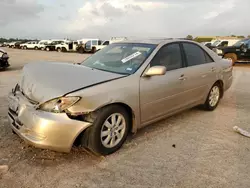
64 49
59 49
47 48
25 47
109 130
231 56
36 48
93 50
213 97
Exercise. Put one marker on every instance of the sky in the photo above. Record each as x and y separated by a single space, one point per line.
76 19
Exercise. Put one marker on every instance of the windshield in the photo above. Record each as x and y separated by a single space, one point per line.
216 43
123 58
239 43
56 42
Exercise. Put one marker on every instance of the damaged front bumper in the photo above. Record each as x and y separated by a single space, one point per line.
4 63
42 129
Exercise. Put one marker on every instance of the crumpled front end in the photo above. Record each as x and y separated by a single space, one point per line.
42 129
4 60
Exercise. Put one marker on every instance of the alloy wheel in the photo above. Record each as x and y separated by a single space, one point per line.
214 96
113 130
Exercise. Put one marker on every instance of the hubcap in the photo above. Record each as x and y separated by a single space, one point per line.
214 96
113 130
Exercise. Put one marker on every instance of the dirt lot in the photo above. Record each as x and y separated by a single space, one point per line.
207 152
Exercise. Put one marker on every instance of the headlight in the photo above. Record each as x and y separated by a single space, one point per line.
58 105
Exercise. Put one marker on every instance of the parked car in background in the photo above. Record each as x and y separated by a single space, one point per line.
30 45
96 44
207 44
239 52
93 45
52 45
4 59
81 44
121 88
7 44
67 46
12 44
18 44
218 45
42 44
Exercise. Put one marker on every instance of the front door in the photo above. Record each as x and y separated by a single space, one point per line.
160 95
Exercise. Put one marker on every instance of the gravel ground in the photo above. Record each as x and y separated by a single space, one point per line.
207 152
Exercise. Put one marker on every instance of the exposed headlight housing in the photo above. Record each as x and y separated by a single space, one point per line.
58 105
5 55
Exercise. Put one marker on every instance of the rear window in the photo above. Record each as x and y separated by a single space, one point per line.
195 55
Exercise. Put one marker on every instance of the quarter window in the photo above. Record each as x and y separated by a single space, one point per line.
195 55
94 42
168 56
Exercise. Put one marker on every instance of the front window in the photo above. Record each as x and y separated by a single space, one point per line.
216 43
121 58
106 43
56 42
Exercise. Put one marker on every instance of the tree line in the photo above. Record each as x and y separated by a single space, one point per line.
2 40
204 39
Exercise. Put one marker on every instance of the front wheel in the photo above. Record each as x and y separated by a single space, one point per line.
213 97
109 130
47 49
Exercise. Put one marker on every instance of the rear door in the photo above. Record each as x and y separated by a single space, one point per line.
161 95
201 72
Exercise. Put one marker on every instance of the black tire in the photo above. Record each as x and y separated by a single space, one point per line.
25 47
92 136
208 106
64 49
59 50
47 49
93 50
81 50
36 48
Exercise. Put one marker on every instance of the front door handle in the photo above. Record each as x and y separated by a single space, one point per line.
182 77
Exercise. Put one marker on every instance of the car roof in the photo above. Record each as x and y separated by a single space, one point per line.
155 41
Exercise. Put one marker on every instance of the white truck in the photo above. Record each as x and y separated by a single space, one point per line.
67 46
95 45
30 45
42 44
219 44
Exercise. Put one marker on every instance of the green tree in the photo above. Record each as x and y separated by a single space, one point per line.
241 37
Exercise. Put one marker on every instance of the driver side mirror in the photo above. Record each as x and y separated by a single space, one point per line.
156 71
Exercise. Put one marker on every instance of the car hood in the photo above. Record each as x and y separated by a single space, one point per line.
43 81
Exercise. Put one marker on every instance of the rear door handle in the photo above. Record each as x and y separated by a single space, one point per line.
182 77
